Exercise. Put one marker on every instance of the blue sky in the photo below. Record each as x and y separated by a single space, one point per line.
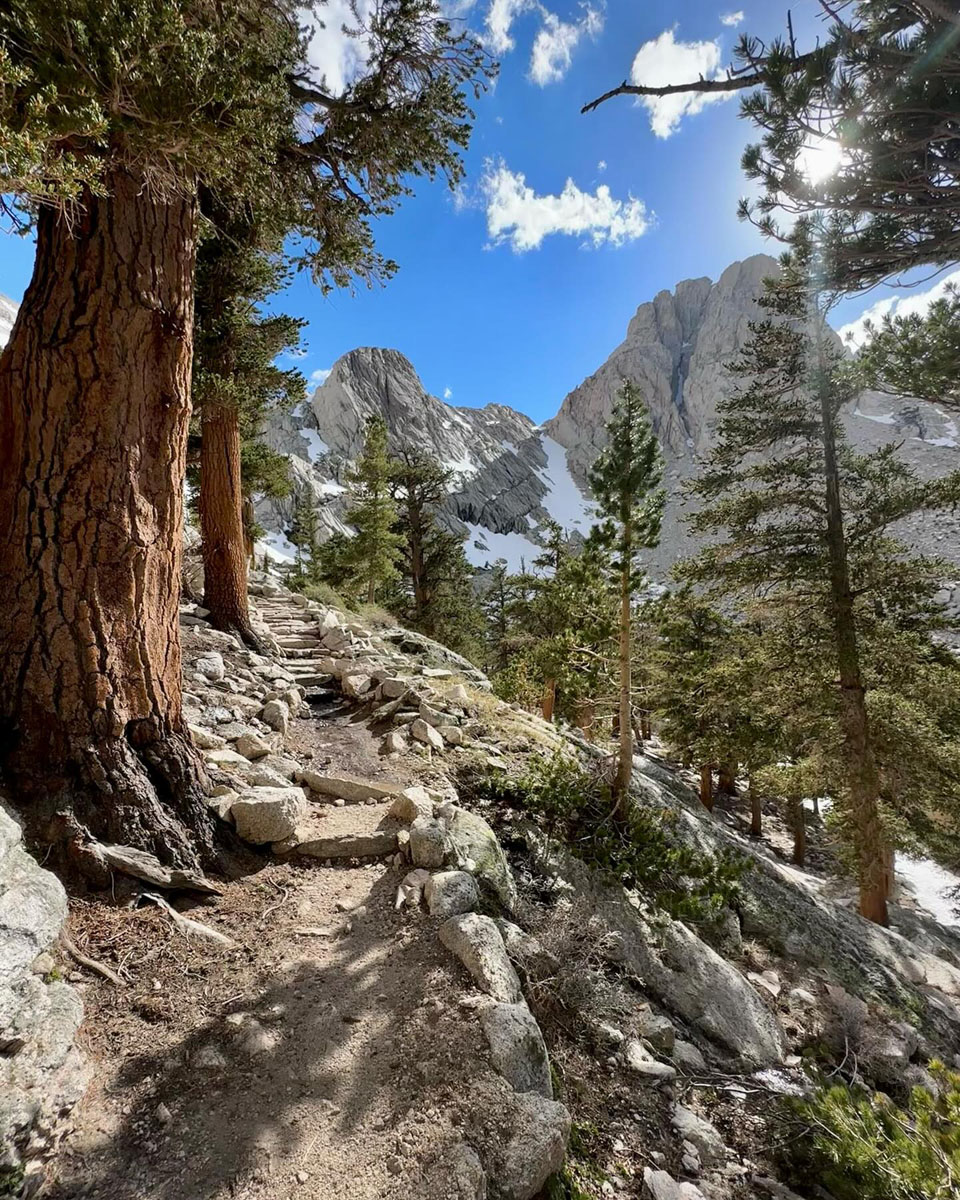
518 287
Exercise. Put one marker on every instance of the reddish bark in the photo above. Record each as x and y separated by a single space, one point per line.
223 540
94 408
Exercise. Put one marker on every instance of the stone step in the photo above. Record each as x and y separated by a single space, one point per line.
360 831
295 653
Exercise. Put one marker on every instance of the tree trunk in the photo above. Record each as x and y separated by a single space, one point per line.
625 760
94 408
798 821
727 779
706 786
862 775
249 520
221 523
549 699
586 716
646 731
756 811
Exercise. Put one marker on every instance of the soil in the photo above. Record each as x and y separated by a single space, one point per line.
326 1056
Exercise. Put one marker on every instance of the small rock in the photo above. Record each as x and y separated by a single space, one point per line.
209 1058
476 941
210 665
394 1164
450 893
658 1031
426 734
253 746
356 686
700 1133
412 802
452 735
428 842
206 739
688 1057
517 1048
276 714
540 1130
268 814
164 1115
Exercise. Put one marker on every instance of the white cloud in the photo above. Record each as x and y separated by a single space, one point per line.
855 333
556 41
320 375
664 60
602 165
500 18
447 394
516 214
337 58
731 18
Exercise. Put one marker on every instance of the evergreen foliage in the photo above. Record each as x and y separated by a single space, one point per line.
917 354
435 593
643 851
191 94
374 551
864 1147
801 530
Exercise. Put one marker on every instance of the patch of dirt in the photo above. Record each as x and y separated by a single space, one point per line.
327 1056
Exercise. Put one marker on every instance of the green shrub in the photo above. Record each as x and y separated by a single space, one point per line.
323 593
646 852
866 1148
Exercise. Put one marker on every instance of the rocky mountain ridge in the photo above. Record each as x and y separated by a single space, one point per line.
510 475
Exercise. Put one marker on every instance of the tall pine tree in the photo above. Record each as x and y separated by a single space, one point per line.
797 517
376 547
626 483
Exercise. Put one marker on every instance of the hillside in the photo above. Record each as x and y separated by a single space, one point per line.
426 995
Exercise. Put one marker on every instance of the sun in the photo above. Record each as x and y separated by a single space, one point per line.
819 159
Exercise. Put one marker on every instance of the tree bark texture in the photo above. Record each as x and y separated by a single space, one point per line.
223 540
756 812
94 407
727 779
798 822
706 786
862 773
548 700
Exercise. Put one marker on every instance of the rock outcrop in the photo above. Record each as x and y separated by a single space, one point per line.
42 1073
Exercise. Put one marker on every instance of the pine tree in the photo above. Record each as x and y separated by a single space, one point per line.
917 354
376 546
236 382
625 481
304 534
495 601
802 520
113 117
435 594
872 100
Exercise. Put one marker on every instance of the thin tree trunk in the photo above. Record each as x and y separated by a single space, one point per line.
706 786
221 523
646 732
816 806
94 409
625 761
549 699
586 716
862 774
756 809
371 590
798 822
727 779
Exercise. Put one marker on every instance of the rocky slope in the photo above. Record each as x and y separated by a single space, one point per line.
510 475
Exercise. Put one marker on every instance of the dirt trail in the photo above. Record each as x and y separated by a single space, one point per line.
315 1060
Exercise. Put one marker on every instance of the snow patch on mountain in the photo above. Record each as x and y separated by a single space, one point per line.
564 501
483 548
